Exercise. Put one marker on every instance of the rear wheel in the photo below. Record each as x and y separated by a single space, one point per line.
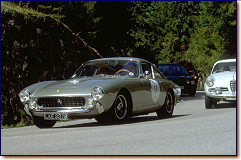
210 102
168 107
192 93
41 123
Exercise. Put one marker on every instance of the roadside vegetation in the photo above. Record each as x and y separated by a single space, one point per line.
34 47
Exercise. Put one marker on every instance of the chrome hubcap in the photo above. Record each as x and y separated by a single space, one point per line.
120 107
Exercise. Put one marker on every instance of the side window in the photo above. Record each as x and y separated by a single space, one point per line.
146 67
157 73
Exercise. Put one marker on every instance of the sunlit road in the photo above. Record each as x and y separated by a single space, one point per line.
192 130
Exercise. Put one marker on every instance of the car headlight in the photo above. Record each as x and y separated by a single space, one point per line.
210 82
192 82
177 90
24 95
97 93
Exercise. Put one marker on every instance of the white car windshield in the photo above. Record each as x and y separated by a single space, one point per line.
108 68
224 67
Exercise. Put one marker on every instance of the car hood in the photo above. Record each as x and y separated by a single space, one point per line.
179 80
224 76
77 86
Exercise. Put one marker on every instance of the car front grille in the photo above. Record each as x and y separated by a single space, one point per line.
61 102
233 85
224 89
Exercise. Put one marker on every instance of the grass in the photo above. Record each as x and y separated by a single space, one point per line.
20 124
13 8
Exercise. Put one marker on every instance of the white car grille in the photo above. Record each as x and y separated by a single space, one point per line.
233 86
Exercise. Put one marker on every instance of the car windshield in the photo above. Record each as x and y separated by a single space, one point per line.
224 67
172 69
127 68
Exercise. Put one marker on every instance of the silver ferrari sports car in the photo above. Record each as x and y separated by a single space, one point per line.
107 89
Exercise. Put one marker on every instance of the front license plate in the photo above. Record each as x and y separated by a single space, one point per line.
231 99
56 116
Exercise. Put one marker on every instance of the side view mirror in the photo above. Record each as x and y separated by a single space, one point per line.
147 73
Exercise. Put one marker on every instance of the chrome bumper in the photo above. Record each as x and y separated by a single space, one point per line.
226 97
81 112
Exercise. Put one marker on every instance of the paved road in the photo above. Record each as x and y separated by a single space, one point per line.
192 130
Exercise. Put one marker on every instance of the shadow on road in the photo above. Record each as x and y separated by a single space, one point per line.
224 105
199 95
128 121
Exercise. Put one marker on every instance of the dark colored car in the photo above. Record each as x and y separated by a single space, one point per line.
179 75
191 69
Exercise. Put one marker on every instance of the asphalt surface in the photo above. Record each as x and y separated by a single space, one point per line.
193 130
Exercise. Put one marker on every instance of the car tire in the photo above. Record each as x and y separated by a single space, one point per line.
103 118
119 110
168 107
192 93
210 102
41 123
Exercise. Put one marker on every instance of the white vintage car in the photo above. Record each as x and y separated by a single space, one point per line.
221 84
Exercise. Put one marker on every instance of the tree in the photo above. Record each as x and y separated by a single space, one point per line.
114 20
214 34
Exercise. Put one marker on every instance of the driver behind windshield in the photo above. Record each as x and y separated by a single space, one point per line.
114 68
132 67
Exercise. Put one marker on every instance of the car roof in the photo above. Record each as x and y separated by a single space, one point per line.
119 58
222 61
226 60
169 64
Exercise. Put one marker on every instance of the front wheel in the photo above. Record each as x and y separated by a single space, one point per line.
192 93
119 111
41 123
168 107
120 107
210 102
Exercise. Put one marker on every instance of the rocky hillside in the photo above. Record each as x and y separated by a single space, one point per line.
34 47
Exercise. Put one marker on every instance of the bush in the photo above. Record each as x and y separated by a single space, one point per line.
34 50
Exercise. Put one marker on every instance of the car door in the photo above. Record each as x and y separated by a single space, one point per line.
162 81
147 84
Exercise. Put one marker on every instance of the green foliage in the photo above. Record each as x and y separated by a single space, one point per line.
16 9
211 38
159 31
203 32
34 49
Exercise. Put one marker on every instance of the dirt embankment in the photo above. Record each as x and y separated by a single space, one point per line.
35 49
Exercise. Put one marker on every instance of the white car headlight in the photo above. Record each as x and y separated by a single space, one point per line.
97 93
24 95
210 81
